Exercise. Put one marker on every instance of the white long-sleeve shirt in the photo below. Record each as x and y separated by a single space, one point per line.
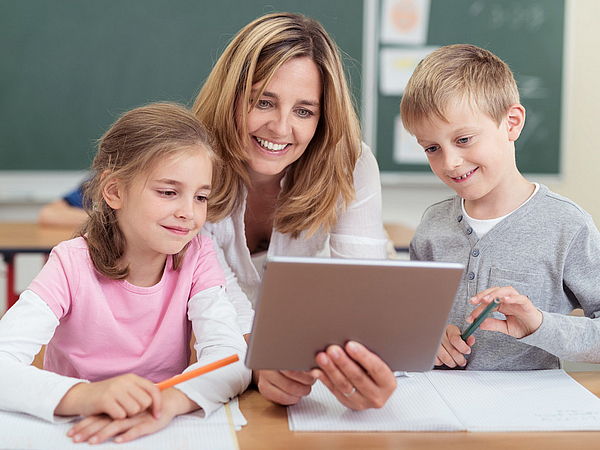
358 233
99 328
30 324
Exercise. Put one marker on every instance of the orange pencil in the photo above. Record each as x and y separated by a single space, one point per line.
196 372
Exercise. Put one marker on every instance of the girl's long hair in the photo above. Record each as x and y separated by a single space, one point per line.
321 180
138 141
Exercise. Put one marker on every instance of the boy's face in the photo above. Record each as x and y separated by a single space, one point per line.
471 154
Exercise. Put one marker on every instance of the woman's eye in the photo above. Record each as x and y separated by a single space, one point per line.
304 113
262 104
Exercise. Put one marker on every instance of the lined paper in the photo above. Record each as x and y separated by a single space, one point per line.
414 406
447 400
190 431
540 400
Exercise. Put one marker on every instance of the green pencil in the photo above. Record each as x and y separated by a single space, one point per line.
488 309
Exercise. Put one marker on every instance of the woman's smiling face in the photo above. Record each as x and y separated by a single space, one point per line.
285 118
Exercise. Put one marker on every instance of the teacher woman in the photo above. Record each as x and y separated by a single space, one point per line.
296 181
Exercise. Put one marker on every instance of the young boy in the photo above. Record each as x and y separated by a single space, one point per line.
536 251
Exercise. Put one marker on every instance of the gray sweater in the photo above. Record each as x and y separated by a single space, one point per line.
549 250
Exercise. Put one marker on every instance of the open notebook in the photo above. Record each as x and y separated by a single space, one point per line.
190 431
457 400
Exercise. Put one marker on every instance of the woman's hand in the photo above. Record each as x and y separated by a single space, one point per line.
522 317
453 348
358 378
98 428
118 398
284 387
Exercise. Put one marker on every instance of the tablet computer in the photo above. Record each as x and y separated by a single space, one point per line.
397 309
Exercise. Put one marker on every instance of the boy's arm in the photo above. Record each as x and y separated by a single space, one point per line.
570 337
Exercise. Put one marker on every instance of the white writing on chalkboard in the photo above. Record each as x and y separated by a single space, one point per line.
516 16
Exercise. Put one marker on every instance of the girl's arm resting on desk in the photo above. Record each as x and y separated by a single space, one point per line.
218 335
118 397
96 429
24 329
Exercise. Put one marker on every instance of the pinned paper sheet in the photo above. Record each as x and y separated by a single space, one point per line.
446 400
405 21
397 65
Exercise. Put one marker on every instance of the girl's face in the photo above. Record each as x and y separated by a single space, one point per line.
285 118
160 213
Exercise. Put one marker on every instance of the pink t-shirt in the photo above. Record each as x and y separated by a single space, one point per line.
108 327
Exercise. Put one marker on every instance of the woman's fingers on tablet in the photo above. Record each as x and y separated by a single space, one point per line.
360 380
306 378
277 387
379 383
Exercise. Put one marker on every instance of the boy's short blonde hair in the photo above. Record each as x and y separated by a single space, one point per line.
455 74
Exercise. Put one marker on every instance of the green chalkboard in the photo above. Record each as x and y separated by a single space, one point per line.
529 36
69 67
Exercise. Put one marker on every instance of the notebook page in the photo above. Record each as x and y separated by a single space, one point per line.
191 431
414 406
538 400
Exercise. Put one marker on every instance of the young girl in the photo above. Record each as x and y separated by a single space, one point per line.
116 306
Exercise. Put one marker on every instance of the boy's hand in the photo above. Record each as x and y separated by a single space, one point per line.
98 428
522 317
453 349
118 397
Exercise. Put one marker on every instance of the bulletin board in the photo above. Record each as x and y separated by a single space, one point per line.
529 35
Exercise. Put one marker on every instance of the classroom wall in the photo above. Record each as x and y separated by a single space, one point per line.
579 181
581 153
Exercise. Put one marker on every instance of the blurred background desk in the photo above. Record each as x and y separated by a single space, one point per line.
399 234
268 428
26 237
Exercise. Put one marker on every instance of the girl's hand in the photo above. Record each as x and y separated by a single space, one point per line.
118 398
358 378
98 428
522 317
284 387
453 349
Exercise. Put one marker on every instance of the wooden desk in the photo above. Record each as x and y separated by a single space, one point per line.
400 235
26 237
268 428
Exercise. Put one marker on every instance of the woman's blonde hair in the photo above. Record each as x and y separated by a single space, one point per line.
322 178
454 74
133 146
